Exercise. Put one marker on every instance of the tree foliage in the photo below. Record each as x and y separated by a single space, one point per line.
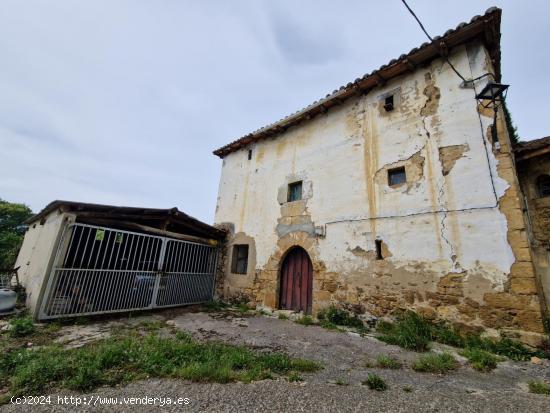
512 129
12 230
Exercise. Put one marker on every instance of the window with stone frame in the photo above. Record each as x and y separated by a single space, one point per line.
239 260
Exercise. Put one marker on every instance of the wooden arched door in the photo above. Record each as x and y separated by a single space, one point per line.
296 281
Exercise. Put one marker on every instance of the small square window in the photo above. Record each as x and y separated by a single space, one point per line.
239 261
397 176
294 191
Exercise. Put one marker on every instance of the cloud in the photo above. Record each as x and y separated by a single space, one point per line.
123 102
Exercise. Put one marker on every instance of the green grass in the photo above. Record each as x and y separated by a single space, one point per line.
339 317
435 363
341 382
282 316
129 357
214 305
21 326
305 320
410 331
539 387
151 325
375 382
480 360
294 376
413 332
388 362
244 308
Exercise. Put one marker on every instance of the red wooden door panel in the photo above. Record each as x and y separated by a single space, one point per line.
296 281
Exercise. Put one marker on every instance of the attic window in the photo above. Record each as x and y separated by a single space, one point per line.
294 191
397 176
388 103
239 261
249 154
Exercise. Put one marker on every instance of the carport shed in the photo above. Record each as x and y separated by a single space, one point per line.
83 259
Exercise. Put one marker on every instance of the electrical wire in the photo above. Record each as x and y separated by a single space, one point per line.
432 40
439 211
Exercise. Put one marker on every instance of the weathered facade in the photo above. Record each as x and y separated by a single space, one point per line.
397 192
533 165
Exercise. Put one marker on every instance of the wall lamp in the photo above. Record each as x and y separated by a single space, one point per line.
493 92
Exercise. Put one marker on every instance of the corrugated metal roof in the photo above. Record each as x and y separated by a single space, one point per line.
487 25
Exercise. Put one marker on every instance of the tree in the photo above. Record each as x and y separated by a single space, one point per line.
12 230
512 129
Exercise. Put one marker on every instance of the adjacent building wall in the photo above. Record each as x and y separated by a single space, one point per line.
539 216
36 256
453 235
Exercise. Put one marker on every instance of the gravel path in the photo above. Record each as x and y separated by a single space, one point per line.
345 357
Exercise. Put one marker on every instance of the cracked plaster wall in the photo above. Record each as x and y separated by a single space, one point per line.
444 263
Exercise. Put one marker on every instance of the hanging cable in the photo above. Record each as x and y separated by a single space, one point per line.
432 40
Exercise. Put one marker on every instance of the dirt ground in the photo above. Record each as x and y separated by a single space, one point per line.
346 358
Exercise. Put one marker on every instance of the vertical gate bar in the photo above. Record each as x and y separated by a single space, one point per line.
214 273
131 277
129 263
174 292
158 274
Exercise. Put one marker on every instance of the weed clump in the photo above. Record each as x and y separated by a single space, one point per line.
435 363
375 382
333 318
305 320
480 360
388 362
21 327
539 387
410 331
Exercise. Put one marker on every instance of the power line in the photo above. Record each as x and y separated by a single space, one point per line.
432 40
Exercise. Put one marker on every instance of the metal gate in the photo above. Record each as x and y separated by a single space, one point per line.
104 270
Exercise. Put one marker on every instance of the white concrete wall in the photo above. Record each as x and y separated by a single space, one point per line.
340 153
36 254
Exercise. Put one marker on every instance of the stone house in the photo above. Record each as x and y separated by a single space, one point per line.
389 193
533 166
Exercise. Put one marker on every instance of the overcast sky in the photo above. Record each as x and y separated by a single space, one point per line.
122 102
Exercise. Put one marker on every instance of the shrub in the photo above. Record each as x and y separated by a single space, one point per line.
375 382
435 363
480 359
388 362
539 387
282 316
21 327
